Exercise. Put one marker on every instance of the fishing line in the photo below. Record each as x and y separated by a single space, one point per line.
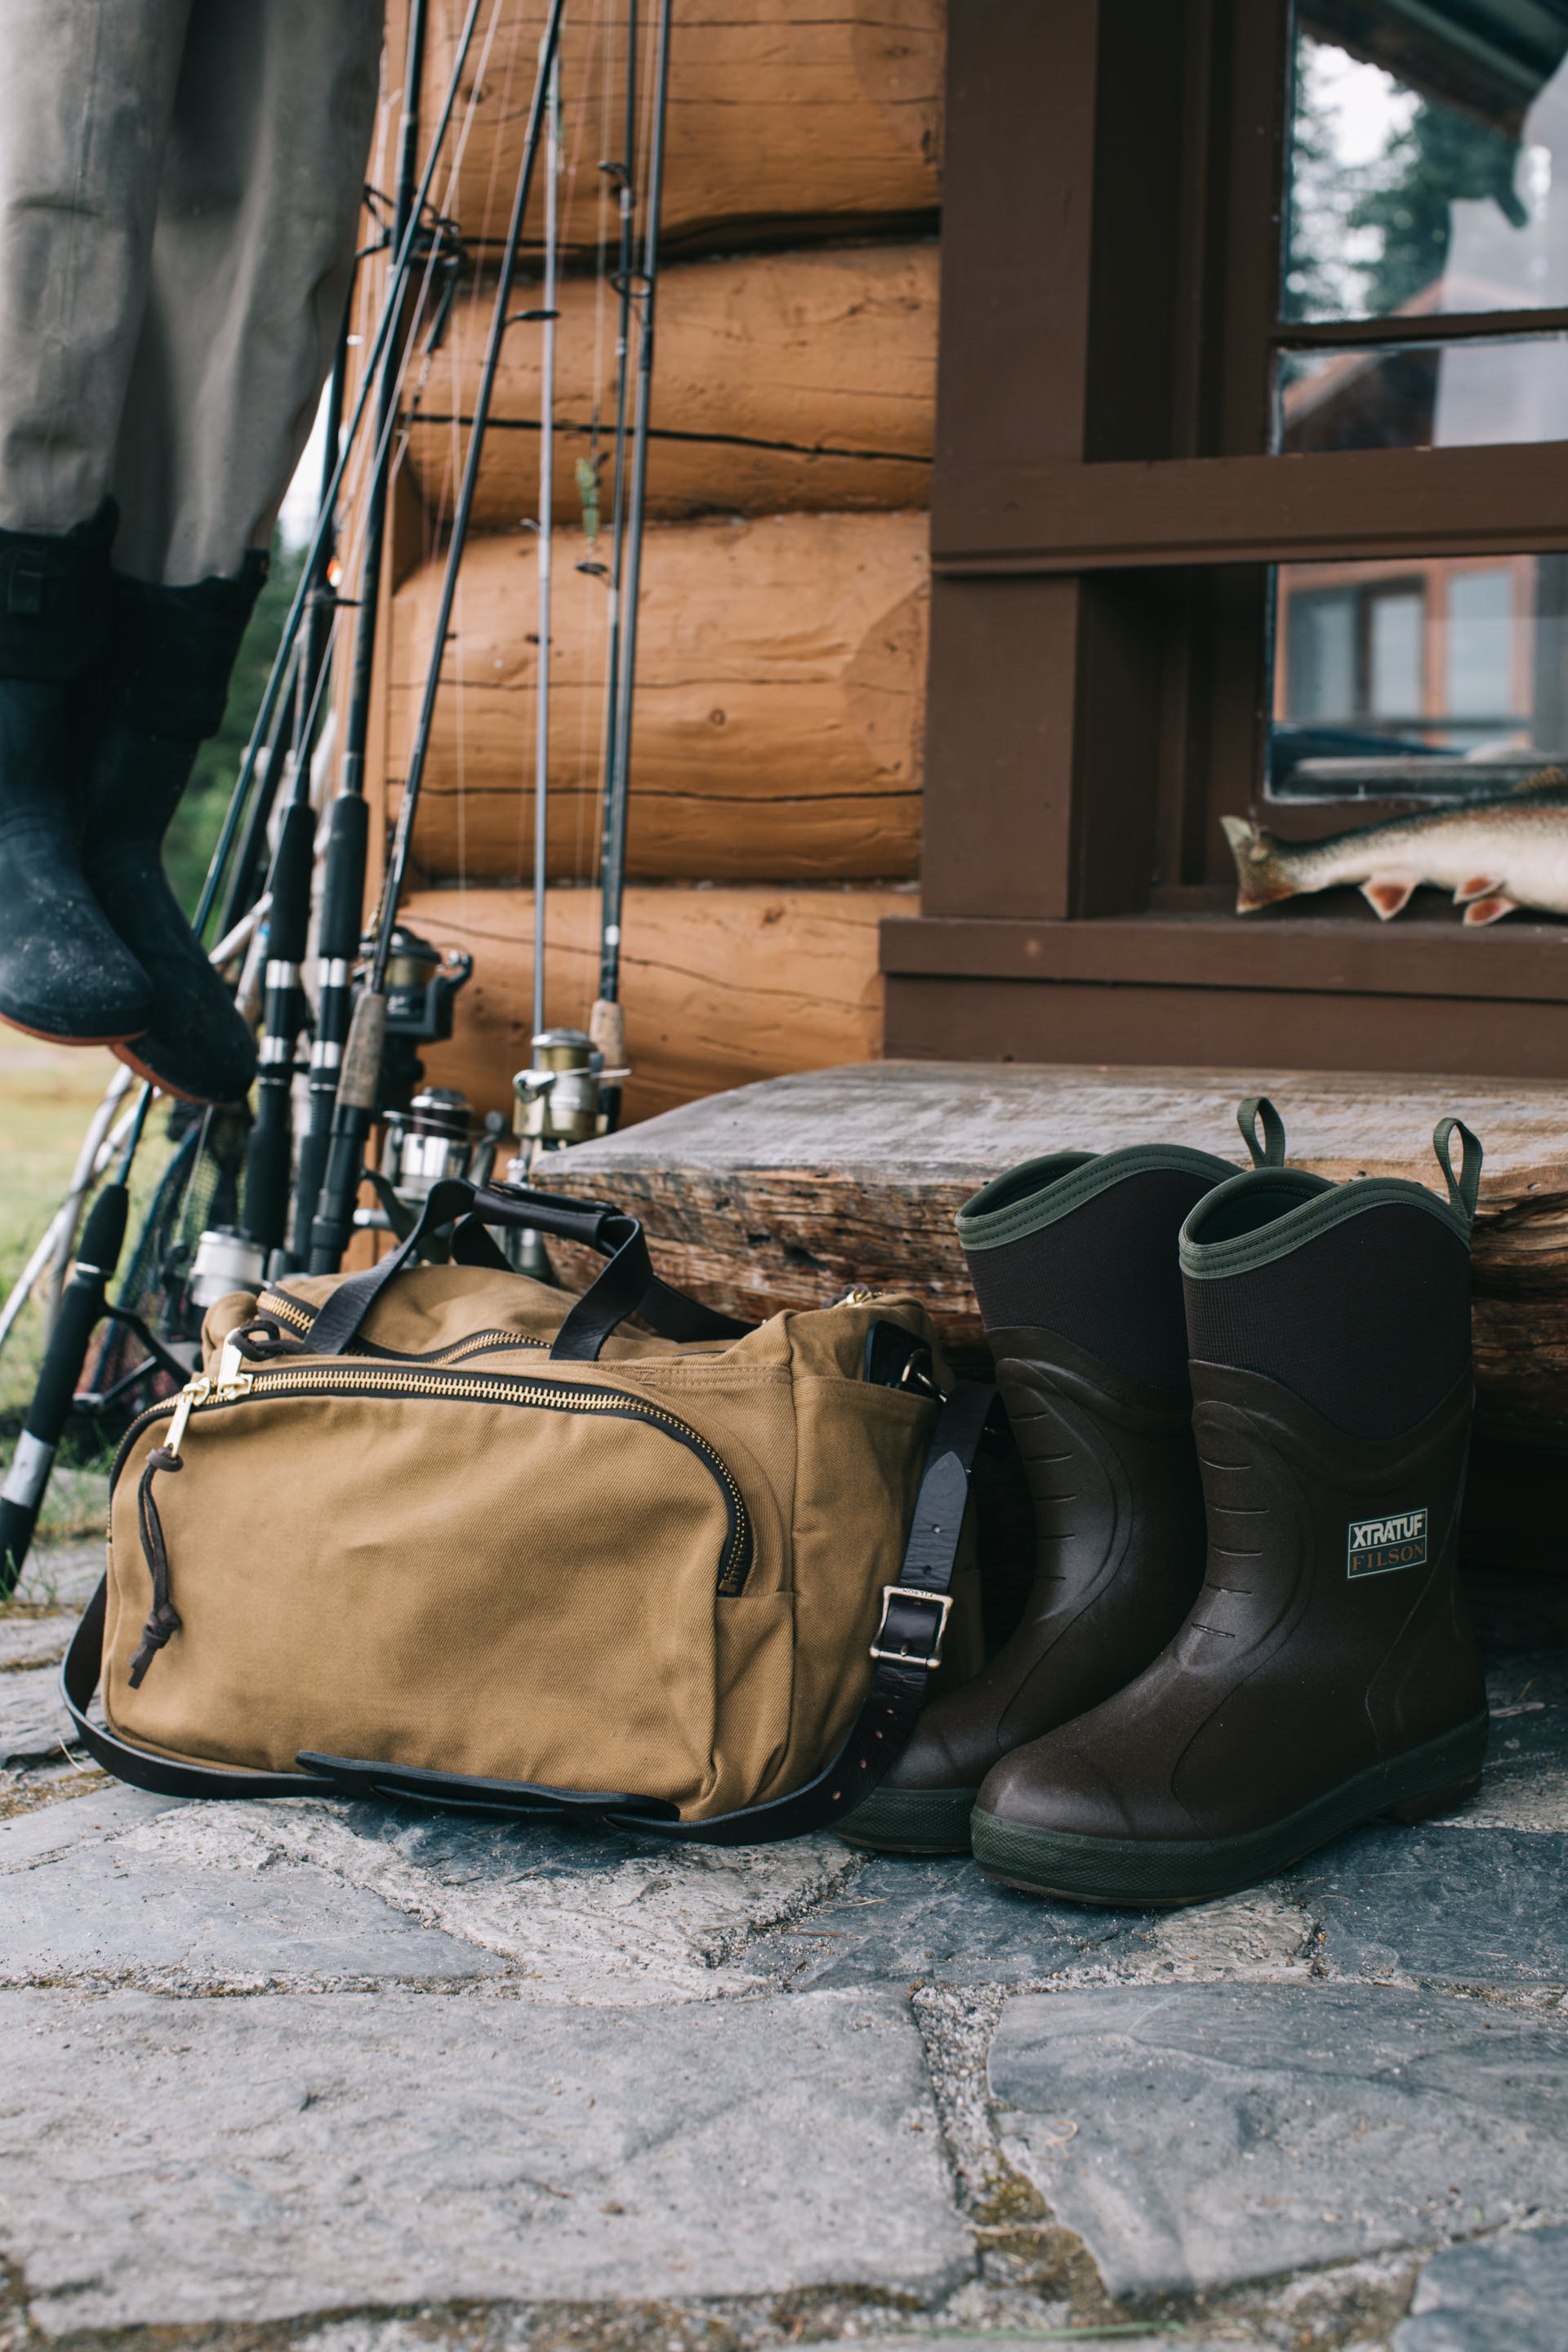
358 1086
606 1024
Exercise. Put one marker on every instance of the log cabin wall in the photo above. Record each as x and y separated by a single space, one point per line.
775 774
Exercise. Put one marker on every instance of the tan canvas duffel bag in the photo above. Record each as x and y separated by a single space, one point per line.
440 1533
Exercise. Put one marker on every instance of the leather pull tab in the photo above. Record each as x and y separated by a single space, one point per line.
1267 1151
1463 1189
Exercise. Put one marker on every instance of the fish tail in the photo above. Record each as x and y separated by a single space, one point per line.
1262 872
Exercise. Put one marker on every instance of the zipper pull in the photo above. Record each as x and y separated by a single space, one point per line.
231 1379
193 1393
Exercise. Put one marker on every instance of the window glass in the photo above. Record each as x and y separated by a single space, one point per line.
1423 395
1427 166
1431 676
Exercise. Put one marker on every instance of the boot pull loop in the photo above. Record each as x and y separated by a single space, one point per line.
1463 1189
1268 1152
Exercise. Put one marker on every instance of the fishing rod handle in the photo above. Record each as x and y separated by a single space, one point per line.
337 944
359 1089
342 882
80 1307
334 1222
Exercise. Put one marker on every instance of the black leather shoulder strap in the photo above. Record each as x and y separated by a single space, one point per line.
906 1647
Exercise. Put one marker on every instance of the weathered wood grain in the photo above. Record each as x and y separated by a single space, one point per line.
782 382
783 115
781 669
721 987
785 1194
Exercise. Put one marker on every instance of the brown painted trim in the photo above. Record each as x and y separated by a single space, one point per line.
1292 954
1432 327
989 519
1226 1028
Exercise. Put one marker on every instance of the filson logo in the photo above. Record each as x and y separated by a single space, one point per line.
1378 1545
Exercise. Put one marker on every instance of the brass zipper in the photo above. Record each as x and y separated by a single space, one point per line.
284 1309
233 1387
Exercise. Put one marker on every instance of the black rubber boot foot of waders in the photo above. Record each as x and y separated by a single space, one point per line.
64 974
172 654
1165 1873
910 1820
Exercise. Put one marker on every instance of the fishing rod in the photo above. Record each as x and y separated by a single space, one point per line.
606 1025
348 826
359 1083
82 1306
546 531
263 1222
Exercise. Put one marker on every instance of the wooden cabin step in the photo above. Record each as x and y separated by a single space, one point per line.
785 1193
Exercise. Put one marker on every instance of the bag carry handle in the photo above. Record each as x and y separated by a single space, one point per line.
906 1647
627 1285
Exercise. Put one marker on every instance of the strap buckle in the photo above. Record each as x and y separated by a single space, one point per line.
931 1657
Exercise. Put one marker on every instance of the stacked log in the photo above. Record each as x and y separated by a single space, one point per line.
775 757
777 716
787 118
791 381
722 986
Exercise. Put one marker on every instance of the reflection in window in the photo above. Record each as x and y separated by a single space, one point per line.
1434 677
1429 159
1423 395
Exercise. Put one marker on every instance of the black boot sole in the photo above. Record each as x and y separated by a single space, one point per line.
1164 1875
910 1820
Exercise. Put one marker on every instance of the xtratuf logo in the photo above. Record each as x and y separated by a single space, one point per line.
1375 1545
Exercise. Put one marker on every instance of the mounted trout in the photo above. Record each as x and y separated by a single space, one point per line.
1493 855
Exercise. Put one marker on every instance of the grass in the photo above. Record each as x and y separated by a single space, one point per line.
47 1094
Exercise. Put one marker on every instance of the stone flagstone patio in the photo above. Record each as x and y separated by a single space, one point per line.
354 2080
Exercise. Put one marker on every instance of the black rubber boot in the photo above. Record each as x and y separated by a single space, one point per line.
1074 1263
1326 1674
171 652
64 974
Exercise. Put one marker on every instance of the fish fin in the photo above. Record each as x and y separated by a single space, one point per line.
1388 897
1491 910
1262 876
1479 885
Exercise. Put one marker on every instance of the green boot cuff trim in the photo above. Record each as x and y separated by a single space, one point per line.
1039 1191
1270 1212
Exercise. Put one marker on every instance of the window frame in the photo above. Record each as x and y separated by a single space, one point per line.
1104 510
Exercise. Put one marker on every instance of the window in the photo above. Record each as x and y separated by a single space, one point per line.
1434 682
1250 500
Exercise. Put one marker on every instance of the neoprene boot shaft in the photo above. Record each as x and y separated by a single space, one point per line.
1073 1259
173 652
64 974
1325 1672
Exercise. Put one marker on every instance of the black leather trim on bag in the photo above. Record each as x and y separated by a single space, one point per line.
628 1285
914 1612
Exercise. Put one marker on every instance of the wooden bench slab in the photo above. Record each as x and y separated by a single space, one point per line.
787 1192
